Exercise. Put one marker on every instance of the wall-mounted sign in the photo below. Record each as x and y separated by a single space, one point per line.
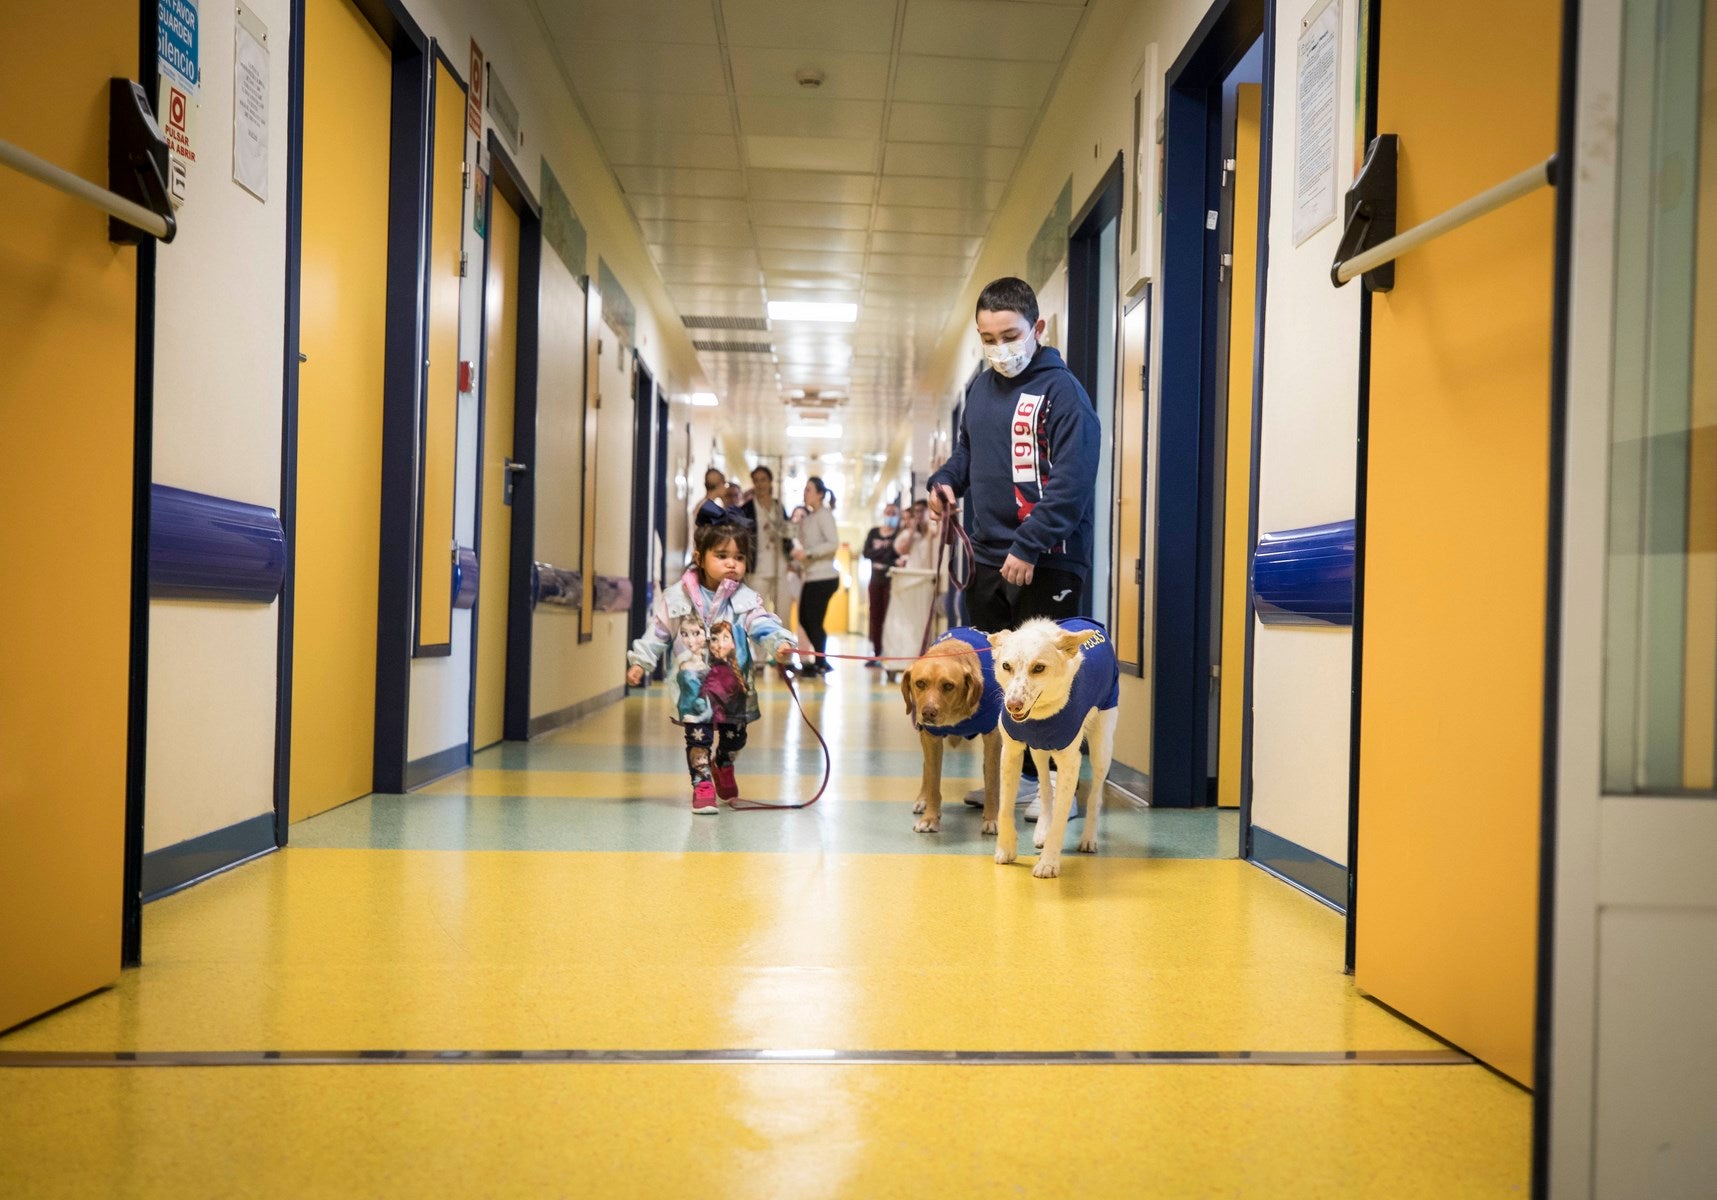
505 112
176 41
474 96
1315 108
250 104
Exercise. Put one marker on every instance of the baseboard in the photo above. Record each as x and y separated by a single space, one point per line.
436 766
1307 870
173 868
1136 784
566 716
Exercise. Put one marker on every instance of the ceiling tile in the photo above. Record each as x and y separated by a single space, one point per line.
930 79
809 260
671 181
634 147
617 21
889 242
810 116
689 208
924 192
634 66
711 298
818 186
711 232
969 124
661 112
866 26
847 283
799 238
710 273
713 256
918 158
812 154
761 72
816 216
989 30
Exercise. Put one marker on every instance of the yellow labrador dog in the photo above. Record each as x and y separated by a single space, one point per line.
951 692
1061 685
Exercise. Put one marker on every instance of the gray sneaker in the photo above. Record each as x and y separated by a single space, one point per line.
1035 809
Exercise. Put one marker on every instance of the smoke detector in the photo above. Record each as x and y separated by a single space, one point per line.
809 78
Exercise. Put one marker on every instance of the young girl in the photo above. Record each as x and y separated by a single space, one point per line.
707 611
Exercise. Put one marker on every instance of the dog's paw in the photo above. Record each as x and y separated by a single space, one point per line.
928 825
1004 856
1046 869
920 806
1087 845
989 829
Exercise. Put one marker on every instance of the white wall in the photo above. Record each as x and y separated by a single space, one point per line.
1302 677
219 345
218 383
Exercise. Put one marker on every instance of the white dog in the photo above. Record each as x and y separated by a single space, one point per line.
1061 685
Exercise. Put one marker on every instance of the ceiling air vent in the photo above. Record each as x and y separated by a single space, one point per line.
734 347
757 324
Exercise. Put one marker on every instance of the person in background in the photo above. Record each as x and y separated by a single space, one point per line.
793 580
712 507
732 497
818 541
879 549
773 536
912 586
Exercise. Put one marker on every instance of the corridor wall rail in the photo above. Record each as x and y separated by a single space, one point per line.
1305 576
209 548
465 576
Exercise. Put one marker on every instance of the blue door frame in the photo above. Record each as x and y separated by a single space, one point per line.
1180 744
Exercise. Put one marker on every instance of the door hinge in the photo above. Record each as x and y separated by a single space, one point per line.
465 176
464 263
1227 171
1222 267
1210 219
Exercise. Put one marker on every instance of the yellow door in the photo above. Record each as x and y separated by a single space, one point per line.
1456 526
1236 529
500 369
441 405
68 344
343 313
1129 497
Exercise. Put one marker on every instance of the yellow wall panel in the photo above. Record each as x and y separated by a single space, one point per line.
1129 491
1236 533
67 339
500 371
1456 519
441 402
343 315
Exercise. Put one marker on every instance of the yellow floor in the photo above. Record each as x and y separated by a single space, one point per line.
562 896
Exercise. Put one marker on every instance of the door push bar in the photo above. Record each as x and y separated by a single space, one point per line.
1369 244
136 195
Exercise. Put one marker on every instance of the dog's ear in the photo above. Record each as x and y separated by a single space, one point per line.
1069 642
973 691
906 690
996 639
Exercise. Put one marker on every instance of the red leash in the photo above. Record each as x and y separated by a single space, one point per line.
950 530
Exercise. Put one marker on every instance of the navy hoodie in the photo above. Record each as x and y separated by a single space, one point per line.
1027 454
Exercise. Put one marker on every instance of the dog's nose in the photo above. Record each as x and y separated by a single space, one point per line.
1015 708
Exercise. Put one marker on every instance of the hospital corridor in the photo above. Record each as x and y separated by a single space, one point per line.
881 598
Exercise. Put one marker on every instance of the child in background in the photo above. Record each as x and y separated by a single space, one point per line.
711 599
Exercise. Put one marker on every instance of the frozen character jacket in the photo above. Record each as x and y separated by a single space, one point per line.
1026 460
1096 686
680 622
990 707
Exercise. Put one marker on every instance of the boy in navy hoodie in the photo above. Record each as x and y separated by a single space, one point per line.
1027 455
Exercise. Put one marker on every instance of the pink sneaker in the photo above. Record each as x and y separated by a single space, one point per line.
703 799
726 786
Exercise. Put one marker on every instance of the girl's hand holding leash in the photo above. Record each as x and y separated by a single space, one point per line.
635 676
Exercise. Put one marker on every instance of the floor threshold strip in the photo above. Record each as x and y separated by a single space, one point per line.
962 1058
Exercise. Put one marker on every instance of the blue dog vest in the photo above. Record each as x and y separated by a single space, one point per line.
990 707
1097 685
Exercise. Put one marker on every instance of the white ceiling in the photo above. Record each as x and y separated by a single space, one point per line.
874 188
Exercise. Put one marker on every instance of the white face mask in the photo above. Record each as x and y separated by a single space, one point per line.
1010 358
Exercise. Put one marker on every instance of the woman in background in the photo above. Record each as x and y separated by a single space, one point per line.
818 541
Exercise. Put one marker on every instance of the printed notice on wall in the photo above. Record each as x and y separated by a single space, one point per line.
1315 119
250 104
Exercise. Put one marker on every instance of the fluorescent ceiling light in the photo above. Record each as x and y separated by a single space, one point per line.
812 310
813 431
704 400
